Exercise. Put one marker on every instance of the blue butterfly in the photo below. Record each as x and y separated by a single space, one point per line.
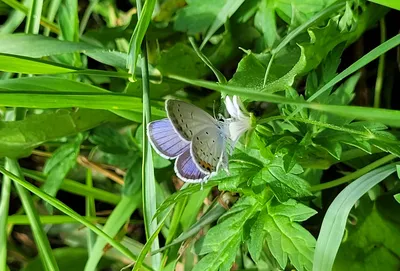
193 137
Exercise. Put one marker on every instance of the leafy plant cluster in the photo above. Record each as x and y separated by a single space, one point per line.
81 80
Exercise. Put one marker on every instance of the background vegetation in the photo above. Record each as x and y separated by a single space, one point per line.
312 187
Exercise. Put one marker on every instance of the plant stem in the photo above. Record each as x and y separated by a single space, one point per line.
381 68
354 175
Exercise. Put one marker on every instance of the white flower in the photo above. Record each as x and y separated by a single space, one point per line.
240 120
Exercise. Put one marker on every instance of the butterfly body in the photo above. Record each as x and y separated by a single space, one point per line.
194 137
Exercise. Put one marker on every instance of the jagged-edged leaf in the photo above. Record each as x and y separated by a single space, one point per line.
277 224
222 241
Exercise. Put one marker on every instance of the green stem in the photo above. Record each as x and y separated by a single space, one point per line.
268 69
381 68
18 6
354 175
34 15
4 205
318 123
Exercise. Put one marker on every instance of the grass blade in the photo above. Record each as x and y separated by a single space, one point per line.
40 237
139 32
52 219
119 216
385 116
4 204
221 78
367 58
334 222
77 188
68 211
147 247
138 40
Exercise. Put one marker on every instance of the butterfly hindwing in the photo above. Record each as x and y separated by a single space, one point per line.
208 149
165 140
188 119
187 170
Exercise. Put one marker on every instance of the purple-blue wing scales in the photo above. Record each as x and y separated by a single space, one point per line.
187 170
165 140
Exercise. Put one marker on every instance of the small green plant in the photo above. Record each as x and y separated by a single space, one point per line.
311 186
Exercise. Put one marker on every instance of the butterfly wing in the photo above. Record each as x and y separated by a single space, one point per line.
164 139
208 149
188 119
187 170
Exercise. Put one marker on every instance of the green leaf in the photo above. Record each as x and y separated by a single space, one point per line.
276 223
47 83
389 3
285 185
265 21
59 164
197 16
397 197
226 12
38 46
222 241
19 64
18 138
334 222
292 60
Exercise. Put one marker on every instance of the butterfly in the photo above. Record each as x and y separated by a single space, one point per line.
193 137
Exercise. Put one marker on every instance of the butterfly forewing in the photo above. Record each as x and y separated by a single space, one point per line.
188 119
208 149
165 140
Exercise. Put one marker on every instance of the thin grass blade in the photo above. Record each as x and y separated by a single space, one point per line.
68 211
40 237
334 223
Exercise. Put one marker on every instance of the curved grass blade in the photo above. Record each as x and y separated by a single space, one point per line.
68 211
77 188
367 58
334 222
119 216
40 237
149 243
221 78
385 116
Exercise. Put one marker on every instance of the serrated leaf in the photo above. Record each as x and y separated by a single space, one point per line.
59 164
285 185
222 241
286 239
